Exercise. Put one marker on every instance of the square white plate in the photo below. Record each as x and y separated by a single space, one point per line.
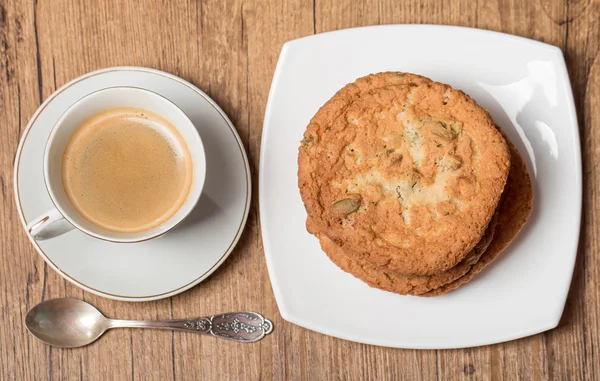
525 86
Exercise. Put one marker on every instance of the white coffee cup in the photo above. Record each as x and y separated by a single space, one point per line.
64 217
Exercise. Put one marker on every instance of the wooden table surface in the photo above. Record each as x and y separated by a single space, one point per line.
229 49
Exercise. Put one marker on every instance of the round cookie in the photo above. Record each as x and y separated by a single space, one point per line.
402 284
515 209
402 172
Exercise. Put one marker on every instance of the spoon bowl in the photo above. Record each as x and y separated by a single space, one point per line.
66 323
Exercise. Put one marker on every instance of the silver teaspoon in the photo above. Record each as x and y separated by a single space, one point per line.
71 323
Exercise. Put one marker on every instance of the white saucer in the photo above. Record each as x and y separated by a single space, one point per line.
161 267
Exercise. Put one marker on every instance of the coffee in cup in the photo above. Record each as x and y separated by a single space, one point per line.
127 170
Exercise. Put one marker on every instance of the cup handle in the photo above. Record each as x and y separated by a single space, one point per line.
49 225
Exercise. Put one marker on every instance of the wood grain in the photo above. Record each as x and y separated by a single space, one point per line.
229 49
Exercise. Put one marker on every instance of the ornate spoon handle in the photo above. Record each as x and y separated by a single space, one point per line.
246 327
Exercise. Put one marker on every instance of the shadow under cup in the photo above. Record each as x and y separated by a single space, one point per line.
94 104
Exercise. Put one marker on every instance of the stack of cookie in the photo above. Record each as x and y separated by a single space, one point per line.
409 185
